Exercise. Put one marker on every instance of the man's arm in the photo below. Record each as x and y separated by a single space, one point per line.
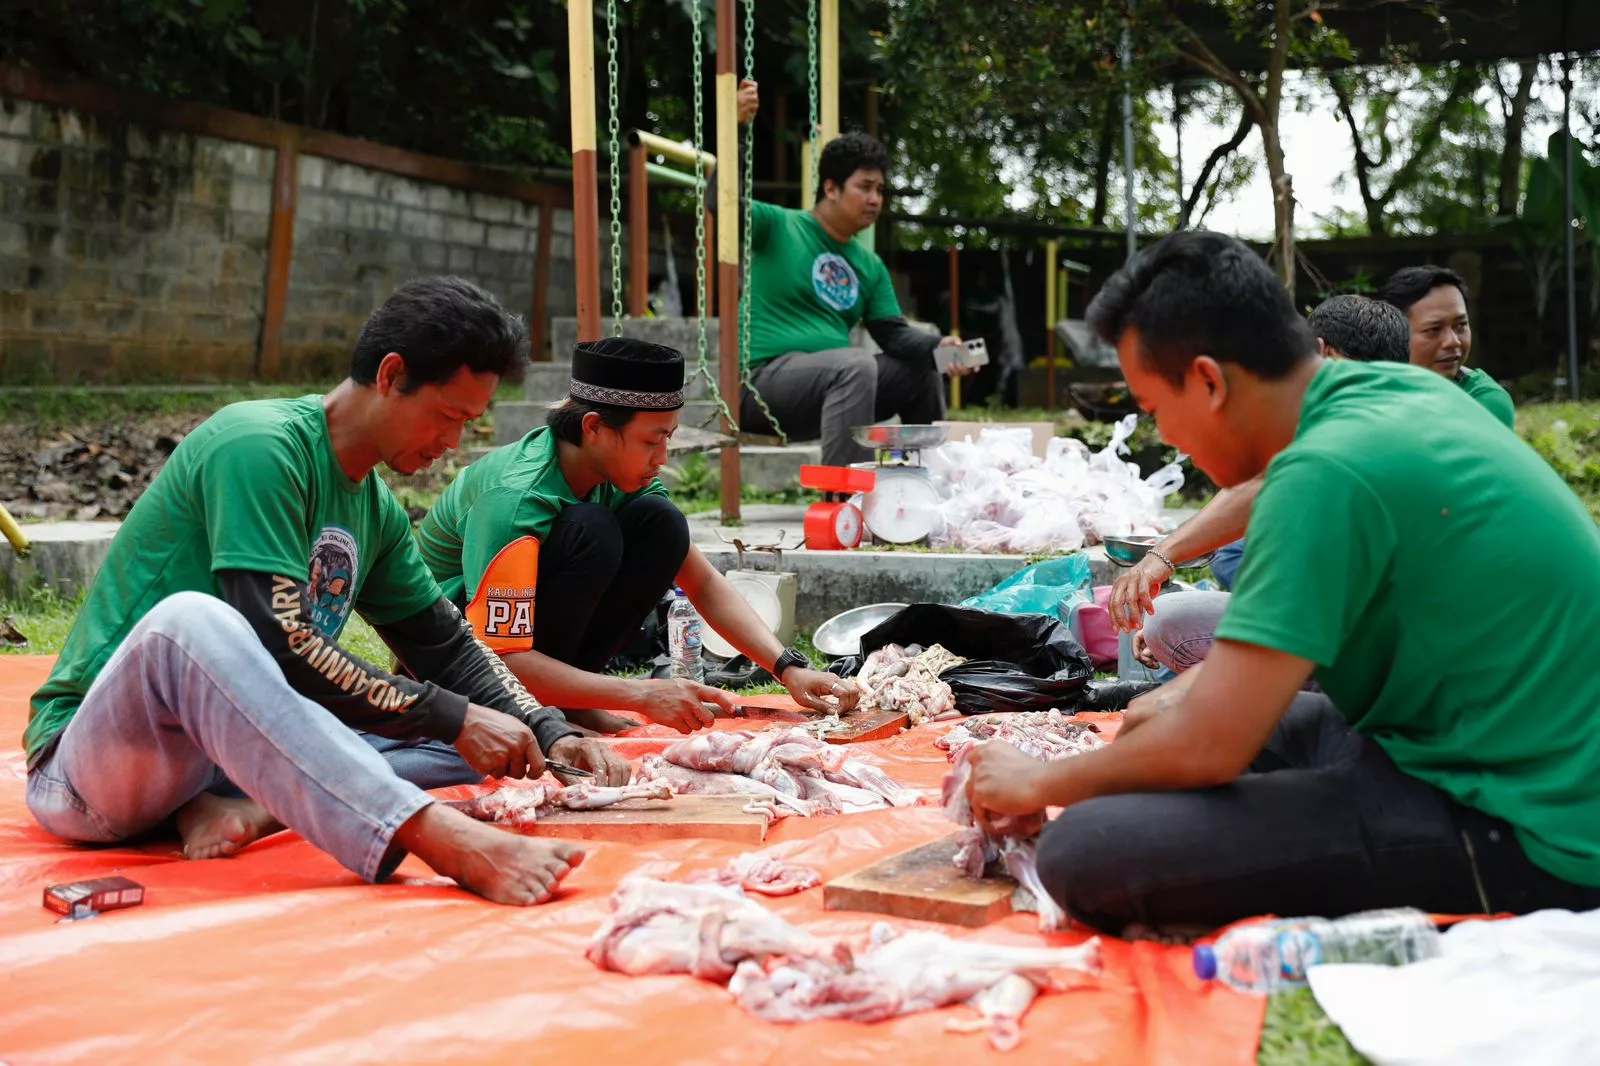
1221 521
901 340
1215 725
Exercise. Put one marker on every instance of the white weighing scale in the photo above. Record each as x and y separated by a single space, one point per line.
770 593
903 505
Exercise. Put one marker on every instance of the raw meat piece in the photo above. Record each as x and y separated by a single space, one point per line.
1001 1007
593 797
786 762
687 782
1014 842
861 774
899 975
847 798
757 871
906 680
658 927
1046 735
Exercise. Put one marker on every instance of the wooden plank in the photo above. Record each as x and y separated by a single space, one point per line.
713 817
863 725
280 252
924 884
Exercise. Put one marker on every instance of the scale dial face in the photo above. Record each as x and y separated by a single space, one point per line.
847 526
902 508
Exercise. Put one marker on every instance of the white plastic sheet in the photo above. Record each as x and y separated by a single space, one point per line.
997 496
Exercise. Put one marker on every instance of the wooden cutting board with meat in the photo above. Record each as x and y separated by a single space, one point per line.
925 884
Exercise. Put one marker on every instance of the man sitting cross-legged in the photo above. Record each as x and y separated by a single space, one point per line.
206 656
1449 761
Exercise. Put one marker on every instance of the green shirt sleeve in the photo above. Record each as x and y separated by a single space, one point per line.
1321 543
399 584
1497 401
254 499
881 301
498 518
763 217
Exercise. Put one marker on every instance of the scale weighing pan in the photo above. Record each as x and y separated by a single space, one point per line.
900 438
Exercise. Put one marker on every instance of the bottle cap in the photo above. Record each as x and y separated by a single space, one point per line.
1205 962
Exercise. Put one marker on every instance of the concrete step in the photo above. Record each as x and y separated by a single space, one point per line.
62 556
774 468
548 381
514 418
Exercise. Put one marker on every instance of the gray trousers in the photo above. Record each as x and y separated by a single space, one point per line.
824 395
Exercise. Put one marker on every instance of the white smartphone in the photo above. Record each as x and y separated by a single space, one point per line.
968 354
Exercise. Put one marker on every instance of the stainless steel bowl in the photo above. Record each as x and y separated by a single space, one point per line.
841 635
899 438
1127 551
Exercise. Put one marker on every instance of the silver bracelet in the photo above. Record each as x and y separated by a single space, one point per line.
1163 558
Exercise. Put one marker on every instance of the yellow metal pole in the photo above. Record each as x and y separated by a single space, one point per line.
728 246
678 153
1051 293
585 171
808 191
830 69
13 532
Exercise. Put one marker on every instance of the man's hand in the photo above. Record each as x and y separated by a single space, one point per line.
1142 652
749 102
955 369
681 704
498 745
596 755
810 687
1004 781
1133 594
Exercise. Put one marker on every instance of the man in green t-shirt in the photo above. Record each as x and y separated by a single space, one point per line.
206 657
1434 300
811 283
1450 761
557 547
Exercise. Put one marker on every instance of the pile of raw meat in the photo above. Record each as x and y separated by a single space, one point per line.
906 680
786 770
518 805
1011 841
757 871
784 974
1000 497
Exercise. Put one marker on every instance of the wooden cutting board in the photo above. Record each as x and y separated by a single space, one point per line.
638 820
922 883
863 725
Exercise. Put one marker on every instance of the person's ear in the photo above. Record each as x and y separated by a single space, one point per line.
391 377
1209 375
591 425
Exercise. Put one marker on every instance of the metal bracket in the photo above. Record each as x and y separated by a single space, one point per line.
776 550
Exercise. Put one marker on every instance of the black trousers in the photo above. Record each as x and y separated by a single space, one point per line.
601 573
1323 824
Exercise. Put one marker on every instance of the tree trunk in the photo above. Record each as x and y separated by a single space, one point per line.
1511 155
1102 163
1282 181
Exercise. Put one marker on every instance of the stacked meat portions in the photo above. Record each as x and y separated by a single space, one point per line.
906 680
791 768
1046 735
523 805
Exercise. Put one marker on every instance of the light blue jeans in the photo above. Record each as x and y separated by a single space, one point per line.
1184 625
192 700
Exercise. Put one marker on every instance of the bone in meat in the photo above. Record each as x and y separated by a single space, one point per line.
593 797
1000 1008
687 782
906 680
657 927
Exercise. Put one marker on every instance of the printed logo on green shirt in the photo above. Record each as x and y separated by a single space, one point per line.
835 281
335 562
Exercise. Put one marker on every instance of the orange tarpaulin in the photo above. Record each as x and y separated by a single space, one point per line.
280 955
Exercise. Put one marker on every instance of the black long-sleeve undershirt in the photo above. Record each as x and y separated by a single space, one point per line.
901 340
435 644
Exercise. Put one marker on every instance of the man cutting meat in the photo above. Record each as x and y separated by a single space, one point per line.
559 545
1449 761
206 658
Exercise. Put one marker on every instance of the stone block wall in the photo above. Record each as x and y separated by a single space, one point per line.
127 253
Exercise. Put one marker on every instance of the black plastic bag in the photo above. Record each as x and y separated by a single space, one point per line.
1016 662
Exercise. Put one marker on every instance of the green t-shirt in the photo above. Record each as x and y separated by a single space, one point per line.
1487 391
1384 548
807 290
481 540
255 487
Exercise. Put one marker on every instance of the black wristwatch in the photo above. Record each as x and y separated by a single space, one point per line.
789 658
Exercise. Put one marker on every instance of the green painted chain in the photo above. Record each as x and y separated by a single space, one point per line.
749 174
702 365
813 74
613 121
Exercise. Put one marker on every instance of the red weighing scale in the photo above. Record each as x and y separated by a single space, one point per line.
835 526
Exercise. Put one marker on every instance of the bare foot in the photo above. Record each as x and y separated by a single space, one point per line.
214 827
501 867
601 721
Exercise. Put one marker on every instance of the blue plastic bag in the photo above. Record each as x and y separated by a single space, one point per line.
1050 587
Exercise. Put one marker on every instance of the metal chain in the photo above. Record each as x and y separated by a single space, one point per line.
749 174
616 175
702 363
813 76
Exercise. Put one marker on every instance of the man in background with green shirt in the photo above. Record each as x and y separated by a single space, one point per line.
1434 299
1450 761
811 283
206 657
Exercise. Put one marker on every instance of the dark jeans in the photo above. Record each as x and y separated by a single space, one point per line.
1323 823
824 395
601 573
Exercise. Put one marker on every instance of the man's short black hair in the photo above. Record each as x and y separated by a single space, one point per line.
439 325
846 154
1409 284
1196 293
565 419
1364 329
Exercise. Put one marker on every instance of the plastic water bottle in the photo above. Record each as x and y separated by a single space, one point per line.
683 639
1275 955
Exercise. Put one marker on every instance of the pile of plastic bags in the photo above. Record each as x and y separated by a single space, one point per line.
997 496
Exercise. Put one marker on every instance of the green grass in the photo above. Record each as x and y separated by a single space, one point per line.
1298 1033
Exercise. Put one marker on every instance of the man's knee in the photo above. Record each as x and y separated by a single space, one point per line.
586 534
855 368
658 519
192 613
1183 627
1088 857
